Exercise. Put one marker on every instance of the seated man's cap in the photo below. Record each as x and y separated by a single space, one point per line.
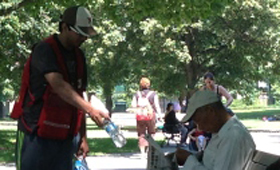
199 99
79 19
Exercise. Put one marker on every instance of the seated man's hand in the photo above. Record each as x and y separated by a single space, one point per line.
181 156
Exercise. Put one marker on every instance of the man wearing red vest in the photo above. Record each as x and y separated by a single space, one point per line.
50 108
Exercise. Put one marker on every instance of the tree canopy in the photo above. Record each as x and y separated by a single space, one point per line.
174 42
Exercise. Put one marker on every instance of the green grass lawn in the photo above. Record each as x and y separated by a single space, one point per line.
98 146
102 146
256 114
252 119
7 144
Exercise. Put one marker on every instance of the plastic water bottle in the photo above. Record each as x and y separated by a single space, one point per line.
116 135
80 164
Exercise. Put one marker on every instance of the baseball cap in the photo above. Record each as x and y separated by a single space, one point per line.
79 19
199 99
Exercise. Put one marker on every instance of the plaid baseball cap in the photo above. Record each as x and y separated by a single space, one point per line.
79 19
199 99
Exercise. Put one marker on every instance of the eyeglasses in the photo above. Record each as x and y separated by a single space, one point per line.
74 30
210 77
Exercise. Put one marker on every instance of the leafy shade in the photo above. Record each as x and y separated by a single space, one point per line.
166 11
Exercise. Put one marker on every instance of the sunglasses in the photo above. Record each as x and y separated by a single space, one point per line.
74 30
210 77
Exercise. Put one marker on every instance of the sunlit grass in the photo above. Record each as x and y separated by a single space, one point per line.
258 124
252 119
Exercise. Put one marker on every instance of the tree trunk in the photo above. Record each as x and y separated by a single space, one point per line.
107 93
2 114
109 103
192 68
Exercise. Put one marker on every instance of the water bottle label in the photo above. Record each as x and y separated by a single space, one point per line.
80 165
110 127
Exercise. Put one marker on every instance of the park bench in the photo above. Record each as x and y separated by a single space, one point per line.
159 160
262 160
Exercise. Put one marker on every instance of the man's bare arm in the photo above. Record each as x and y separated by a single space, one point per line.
227 95
68 94
66 91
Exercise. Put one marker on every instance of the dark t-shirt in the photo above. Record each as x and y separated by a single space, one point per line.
171 119
44 61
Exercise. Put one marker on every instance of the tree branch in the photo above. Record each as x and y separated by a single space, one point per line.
7 11
213 50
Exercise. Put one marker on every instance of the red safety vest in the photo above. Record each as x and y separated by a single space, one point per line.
58 119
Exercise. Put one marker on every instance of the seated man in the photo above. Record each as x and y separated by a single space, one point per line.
171 121
231 145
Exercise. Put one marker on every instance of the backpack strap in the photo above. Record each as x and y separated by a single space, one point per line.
139 94
149 94
218 90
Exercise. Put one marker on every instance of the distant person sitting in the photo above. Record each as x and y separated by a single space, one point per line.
171 121
199 138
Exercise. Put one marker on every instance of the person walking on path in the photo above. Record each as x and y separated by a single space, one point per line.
50 108
148 110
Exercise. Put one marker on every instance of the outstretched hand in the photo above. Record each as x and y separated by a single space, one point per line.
97 116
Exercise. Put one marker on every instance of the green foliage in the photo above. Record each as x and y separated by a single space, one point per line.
172 42
20 31
168 12
275 92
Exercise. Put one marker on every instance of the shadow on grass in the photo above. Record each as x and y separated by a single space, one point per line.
106 146
7 145
257 114
98 146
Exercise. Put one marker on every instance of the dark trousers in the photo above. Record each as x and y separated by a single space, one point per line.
36 153
176 128
184 133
